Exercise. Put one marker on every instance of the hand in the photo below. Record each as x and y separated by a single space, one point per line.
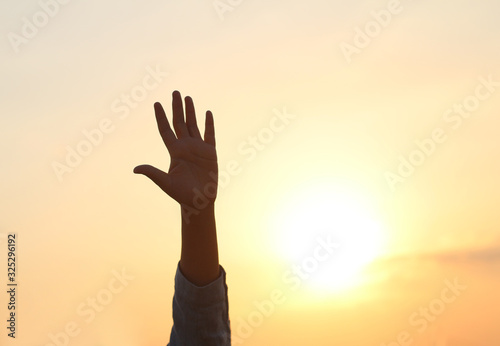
193 166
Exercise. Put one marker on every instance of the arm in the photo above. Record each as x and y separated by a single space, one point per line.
200 307
199 254
192 161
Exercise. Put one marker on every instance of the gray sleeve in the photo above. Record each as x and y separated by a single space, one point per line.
200 314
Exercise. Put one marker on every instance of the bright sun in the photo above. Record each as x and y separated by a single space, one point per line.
329 235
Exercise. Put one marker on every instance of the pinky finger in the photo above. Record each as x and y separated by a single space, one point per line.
209 129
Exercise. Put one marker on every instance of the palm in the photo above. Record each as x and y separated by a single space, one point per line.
193 166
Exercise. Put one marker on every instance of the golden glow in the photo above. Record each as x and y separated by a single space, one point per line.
351 120
325 213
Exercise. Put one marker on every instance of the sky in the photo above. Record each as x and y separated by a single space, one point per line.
370 124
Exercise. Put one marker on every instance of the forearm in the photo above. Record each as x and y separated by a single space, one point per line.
199 261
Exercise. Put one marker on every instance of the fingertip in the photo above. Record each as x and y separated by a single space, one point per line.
210 118
158 108
139 169
176 93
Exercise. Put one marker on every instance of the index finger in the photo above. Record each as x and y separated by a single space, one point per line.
166 132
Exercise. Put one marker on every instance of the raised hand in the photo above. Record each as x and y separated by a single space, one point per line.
193 166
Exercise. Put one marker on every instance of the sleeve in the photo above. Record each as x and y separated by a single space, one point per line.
200 314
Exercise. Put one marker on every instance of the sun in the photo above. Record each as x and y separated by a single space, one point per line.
329 234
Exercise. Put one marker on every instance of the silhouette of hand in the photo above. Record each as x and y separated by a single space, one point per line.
193 162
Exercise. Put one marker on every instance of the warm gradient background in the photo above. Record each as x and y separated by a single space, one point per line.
352 122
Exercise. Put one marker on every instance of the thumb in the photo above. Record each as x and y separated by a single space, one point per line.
159 177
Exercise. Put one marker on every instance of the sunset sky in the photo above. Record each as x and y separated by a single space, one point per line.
372 124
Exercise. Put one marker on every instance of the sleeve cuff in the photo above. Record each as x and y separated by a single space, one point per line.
210 294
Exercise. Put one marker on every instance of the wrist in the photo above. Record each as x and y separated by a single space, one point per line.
191 214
